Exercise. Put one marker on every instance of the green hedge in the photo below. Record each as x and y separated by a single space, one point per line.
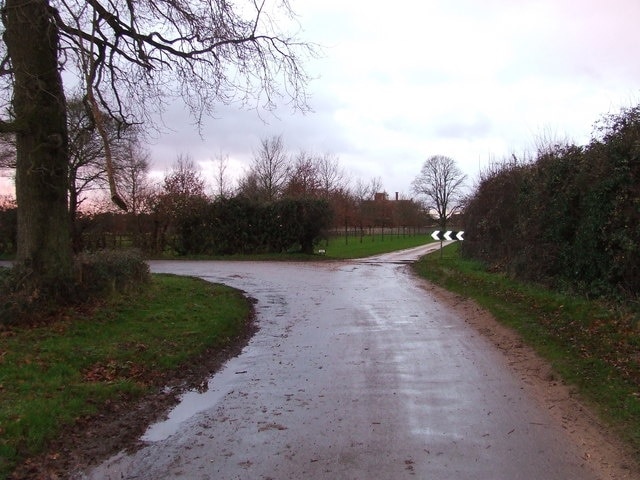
111 271
98 275
571 217
237 225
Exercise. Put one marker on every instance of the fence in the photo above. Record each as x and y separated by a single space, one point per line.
373 233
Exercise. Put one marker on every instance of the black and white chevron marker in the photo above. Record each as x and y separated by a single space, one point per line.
448 235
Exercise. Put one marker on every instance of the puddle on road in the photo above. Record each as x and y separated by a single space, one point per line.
193 402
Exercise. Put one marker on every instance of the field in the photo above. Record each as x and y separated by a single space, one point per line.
368 245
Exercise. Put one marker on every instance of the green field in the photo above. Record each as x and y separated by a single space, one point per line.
368 245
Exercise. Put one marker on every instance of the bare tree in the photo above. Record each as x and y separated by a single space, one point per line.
221 180
129 55
87 169
440 182
315 175
182 192
132 174
86 157
184 181
330 176
361 191
302 179
270 167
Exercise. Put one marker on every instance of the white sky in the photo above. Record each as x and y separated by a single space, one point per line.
400 81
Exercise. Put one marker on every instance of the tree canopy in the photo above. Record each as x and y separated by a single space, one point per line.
440 182
127 58
132 55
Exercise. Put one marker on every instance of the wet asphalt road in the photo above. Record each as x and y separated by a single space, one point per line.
357 372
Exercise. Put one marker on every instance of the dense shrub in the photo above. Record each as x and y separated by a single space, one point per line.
572 216
238 225
22 300
111 271
99 274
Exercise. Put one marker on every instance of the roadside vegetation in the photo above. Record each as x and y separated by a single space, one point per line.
592 344
568 216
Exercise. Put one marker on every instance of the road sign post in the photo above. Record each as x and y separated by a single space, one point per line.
449 235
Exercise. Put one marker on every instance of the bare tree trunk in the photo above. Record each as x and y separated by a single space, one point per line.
44 245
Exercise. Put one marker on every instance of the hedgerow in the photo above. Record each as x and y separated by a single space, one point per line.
570 217
238 225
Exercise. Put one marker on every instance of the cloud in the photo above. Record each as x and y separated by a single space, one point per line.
476 126
473 80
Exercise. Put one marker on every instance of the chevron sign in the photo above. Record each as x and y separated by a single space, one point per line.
448 235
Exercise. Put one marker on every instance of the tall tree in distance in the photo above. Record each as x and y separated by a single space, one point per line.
302 180
88 171
222 183
440 183
330 175
270 168
182 193
132 174
183 187
130 56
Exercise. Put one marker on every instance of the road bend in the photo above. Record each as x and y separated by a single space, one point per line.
356 372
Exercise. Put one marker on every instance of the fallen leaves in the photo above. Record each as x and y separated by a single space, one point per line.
112 370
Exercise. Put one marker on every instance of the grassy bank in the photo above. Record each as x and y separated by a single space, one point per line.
53 374
591 345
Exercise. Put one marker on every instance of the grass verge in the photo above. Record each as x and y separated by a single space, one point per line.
54 374
590 344
368 245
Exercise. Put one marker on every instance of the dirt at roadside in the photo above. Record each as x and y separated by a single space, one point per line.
607 456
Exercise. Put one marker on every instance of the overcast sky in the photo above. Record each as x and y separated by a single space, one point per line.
475 80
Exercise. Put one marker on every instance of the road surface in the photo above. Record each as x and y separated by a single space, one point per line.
357 372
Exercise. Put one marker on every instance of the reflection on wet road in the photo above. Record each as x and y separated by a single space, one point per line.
356 373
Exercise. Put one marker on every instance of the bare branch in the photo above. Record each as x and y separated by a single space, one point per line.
440 182
204 51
